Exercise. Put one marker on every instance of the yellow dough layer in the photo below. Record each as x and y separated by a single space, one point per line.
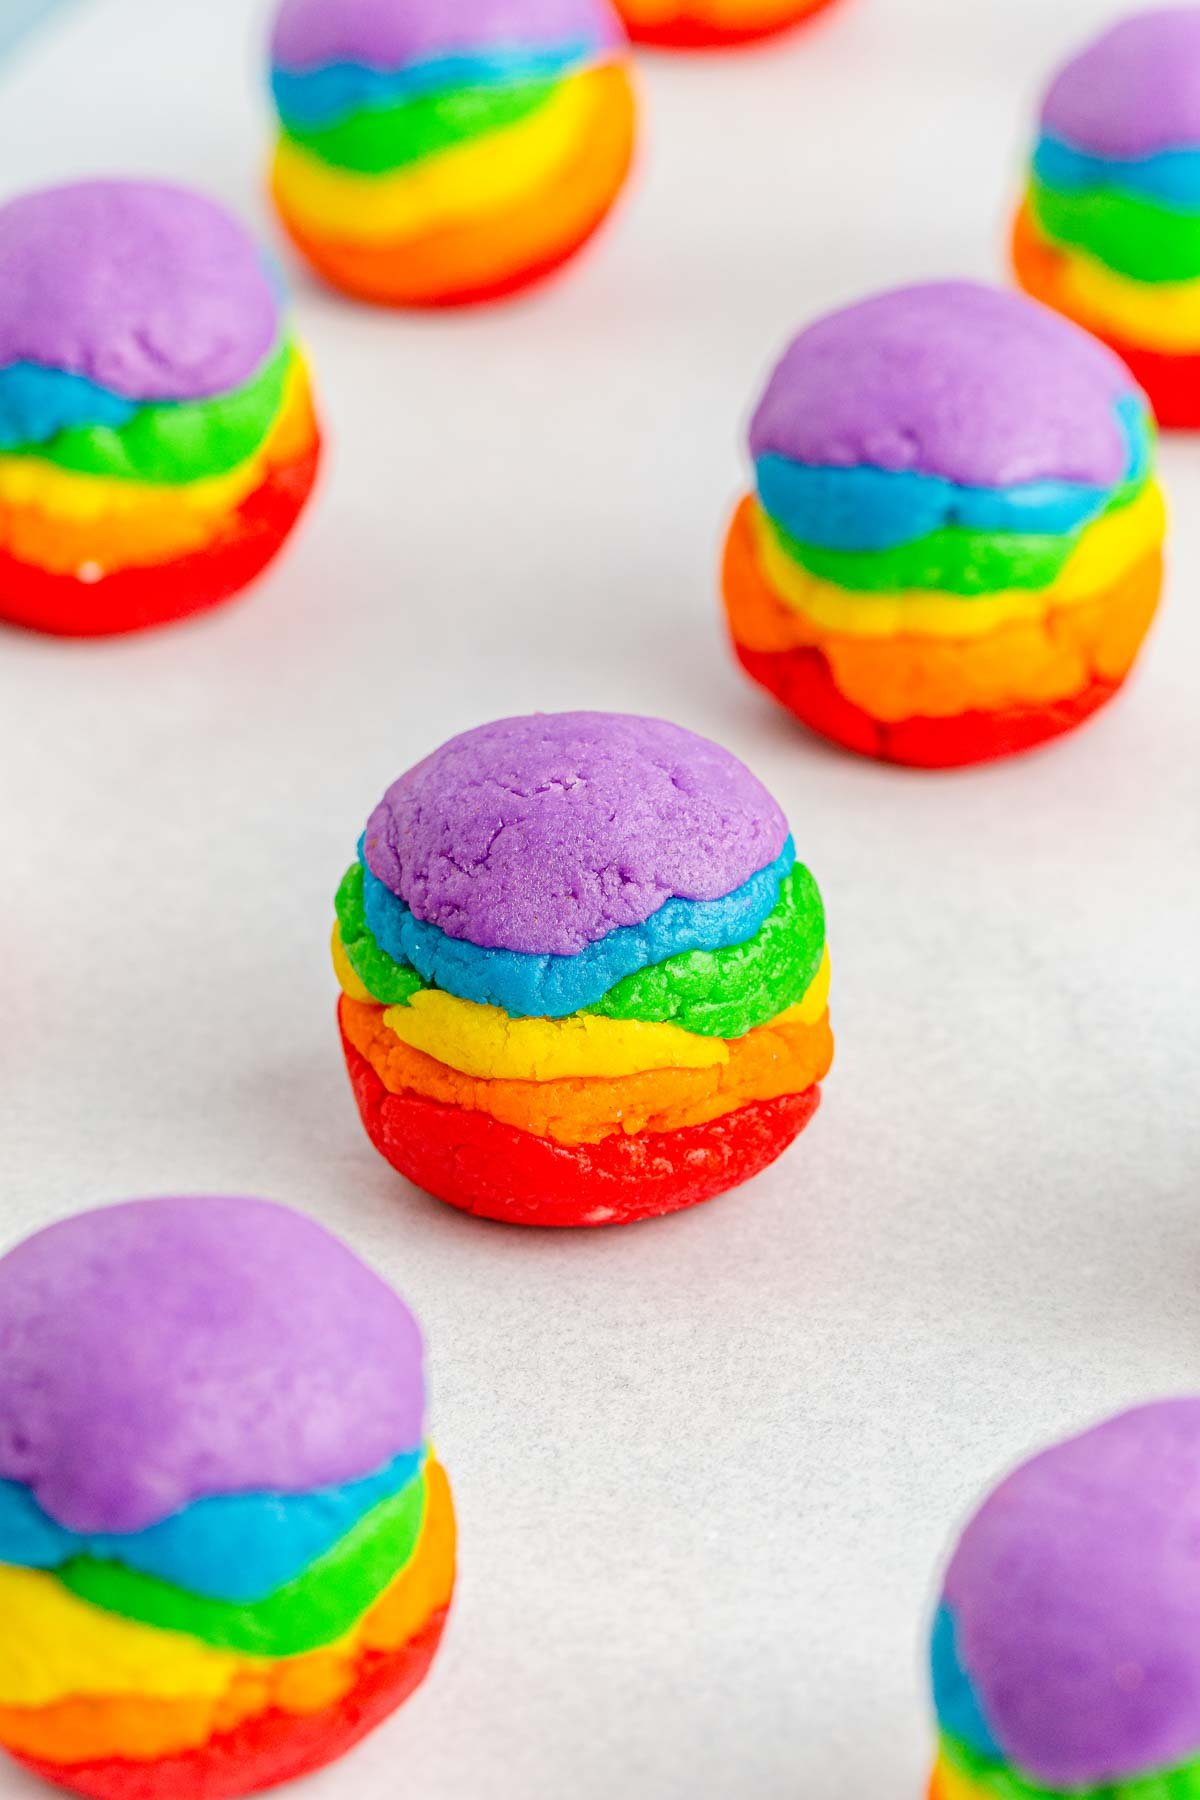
31 481
1156 315
53 1645
452 187
485 1043
60 521
58 1649
1106 550
778 1061
950 1783
785 1057
105 1720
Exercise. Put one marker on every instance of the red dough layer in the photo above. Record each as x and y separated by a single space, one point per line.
1172 383
495 1171
158 594
694 34
801 679
271 1748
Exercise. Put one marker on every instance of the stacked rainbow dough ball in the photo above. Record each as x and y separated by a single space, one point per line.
954 548
709 24
440 152
157 437
1066 1649
584 976
1109 232
226 1552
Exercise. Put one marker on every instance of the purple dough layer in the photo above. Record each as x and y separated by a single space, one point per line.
150 291
1135 91
953 379
543 834
172 1350
1076 1594
389 34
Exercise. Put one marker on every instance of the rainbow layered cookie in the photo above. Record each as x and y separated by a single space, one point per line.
712 24
584 976
954 547
226 1551
1109 232
1066 1649
444 152
157 436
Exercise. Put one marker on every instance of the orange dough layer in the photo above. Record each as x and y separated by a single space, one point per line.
267 1750
801 680
1037 264
161 531
769 1062
461 265
136 599
1025 664
89 1729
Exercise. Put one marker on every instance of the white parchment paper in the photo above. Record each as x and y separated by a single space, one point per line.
706 1468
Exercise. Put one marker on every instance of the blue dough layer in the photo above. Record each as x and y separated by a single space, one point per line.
867 509
1172 177
37 403
550 987
236 1547
959 1713
325 96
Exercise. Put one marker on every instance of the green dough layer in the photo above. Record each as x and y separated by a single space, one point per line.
713 993
1135 237
376 142
971 564
726 993
317 1608
1181 1783
179 441
389 982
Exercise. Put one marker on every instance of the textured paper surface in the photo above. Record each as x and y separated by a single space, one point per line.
705 1468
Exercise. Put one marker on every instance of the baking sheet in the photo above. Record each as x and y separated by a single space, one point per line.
705 1468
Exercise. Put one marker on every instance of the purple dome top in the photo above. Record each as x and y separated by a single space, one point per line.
543 834
389 34
1135 90
981 387
1076 1596
166 1351
150 291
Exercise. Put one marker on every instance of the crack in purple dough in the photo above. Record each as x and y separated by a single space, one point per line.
544 834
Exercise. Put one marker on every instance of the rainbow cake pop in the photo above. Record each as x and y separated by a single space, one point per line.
1066 1650
712 24
157 437
1109 232
443 152
584 977
955 548
226 1552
